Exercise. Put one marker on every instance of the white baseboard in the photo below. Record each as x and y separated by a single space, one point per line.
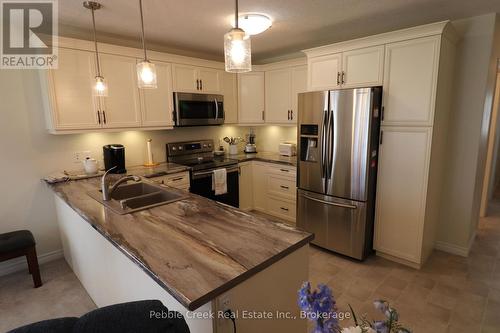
19 264
462 251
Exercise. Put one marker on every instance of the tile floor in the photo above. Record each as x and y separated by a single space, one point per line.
449 294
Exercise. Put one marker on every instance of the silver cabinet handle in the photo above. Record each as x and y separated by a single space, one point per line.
324 143
330 203
331 143
216 109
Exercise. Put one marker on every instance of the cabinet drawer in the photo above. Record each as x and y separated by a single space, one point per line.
177 180
282 170
282 187
280 208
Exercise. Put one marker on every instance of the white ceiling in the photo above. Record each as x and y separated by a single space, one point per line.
196 27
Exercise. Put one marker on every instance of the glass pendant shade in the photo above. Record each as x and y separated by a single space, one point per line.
100 87
146 75
237 51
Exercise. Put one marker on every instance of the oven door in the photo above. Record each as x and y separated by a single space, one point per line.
198 109
201 184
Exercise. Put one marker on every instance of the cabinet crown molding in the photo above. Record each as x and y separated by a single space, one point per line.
439 28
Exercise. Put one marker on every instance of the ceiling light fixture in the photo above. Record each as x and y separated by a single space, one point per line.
146 70
100 86
254 23
237 49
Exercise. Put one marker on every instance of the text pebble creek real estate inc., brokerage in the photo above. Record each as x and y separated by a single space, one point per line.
29 34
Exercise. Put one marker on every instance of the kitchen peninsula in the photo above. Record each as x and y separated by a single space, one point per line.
193 255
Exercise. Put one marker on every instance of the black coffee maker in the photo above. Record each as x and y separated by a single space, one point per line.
114 156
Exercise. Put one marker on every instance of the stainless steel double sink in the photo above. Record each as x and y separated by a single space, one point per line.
130 198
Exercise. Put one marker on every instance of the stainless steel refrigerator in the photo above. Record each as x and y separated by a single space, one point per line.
338 134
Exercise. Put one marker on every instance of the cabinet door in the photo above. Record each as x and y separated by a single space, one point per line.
73 105
401 191
185 78
410 82
299 85
251 98
230 91
210 80
122 107
157 104
246 186
278 96
260 187
324 71
363 67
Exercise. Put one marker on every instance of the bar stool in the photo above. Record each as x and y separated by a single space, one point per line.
17 244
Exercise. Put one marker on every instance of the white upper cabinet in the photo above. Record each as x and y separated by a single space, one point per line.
197 79
401 191
299 85
230 93
157 104
350 69
324 72
410 80
363 67
210 80
122 107
282 89
72 104
278 88
185 78
251 98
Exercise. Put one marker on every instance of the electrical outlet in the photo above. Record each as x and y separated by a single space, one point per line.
224 302
79 156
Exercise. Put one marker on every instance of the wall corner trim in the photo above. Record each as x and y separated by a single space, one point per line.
19 264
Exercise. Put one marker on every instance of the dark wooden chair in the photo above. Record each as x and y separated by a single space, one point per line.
21 243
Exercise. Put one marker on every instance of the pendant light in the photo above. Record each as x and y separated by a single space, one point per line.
237 50
146 71
100 86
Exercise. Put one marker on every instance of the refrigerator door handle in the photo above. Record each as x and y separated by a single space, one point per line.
331 143
324 144
330 203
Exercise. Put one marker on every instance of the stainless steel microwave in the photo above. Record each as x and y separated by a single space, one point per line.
198 109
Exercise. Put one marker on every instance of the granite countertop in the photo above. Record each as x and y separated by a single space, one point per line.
271 157
196 249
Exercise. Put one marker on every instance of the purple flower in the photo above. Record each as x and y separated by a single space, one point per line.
380 326
319 306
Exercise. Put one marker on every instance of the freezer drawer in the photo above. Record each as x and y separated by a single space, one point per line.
339 225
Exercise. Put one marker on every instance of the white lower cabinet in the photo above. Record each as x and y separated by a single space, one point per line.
178 180
246 186
268 188
401 192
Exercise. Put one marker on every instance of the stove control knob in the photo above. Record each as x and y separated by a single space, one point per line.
209 145
180 147
174 149
204 145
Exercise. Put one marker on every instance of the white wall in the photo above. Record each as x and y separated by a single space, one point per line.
467 140
29 153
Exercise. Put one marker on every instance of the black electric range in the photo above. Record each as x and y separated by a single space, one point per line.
199 156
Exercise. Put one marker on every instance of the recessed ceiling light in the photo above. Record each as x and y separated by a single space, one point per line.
254 24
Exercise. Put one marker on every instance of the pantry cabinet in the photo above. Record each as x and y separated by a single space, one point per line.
401 196
282 88
251 102
354 68
411 69
157 104
197 79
